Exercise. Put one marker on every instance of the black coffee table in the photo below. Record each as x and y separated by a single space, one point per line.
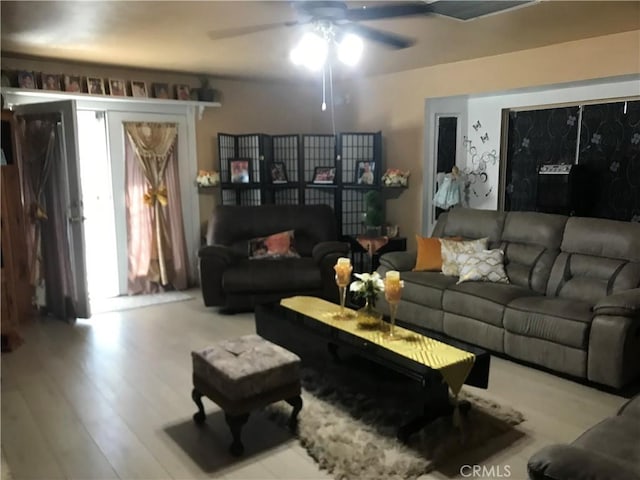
307 336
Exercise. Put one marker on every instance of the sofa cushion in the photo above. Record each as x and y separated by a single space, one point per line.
558 320
531 242
425 288
631 409
485 266
471 223
616 438
481 300
589 278
272 276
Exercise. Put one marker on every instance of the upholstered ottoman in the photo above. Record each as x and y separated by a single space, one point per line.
243 374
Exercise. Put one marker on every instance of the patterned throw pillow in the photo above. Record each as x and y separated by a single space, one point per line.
485 266
451 249
278 245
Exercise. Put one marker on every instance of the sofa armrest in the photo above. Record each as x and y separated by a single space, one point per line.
401 261
322 249
568 462
625 304
214 259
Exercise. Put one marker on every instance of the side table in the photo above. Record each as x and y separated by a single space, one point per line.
369 261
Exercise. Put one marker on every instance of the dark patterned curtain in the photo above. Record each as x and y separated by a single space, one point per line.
536 137
610 151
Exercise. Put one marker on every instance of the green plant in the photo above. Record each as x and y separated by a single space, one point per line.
373 209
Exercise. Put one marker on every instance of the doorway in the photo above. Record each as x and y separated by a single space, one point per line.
99 212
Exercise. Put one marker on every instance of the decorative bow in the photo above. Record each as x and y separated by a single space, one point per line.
37 212
154 195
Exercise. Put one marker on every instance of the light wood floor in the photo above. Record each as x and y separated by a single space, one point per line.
110 398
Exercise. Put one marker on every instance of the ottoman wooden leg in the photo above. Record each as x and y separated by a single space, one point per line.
296 403
235 423
198 417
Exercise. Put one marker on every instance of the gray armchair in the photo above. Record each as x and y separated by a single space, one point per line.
229 279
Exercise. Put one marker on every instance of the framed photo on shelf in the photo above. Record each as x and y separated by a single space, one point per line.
26 80
278 173
161 90
139 89
95 86
50 81
72 83
324 175
365 173
240 170
183 92
117 87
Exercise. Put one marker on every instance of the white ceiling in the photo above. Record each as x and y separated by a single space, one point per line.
178 36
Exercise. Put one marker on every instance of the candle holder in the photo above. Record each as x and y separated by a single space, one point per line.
343 276
392 293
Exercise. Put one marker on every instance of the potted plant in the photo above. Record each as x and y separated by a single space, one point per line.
373 216
205 92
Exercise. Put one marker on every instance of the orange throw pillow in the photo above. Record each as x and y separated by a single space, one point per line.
429 258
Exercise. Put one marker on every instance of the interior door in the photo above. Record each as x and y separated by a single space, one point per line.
71 192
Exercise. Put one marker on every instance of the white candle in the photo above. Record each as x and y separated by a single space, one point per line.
344 261
393 275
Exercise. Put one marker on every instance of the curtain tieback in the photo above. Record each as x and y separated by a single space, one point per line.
154 195
38 212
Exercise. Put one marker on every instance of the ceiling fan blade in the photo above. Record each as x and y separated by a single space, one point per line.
389 11
391 40
249 29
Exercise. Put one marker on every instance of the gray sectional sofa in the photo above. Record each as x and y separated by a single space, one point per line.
573 304
609 450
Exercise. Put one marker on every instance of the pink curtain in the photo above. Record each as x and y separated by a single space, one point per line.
140 232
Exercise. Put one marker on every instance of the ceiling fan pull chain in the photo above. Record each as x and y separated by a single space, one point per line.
324 102
333 120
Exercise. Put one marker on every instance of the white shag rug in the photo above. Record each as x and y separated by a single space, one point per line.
348 424
128 302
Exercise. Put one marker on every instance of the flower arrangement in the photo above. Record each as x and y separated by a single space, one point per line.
367 286
207 178
395 177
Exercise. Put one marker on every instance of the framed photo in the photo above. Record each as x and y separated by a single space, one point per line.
117 87
161 90
324 174
72 83
365 173
278 173
50 81
95 86
183 92
240 170
139 89
26 80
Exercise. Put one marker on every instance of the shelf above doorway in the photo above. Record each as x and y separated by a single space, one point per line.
10 94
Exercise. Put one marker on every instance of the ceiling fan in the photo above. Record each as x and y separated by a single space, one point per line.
340 19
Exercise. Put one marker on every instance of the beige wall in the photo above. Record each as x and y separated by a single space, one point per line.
392 103
395 103
247 107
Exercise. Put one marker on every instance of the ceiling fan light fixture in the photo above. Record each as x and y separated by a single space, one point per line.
311 52
350 49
